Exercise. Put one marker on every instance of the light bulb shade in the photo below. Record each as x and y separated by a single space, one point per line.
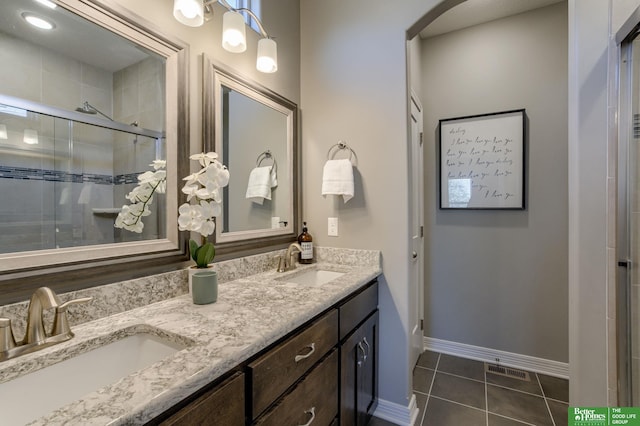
267 56
189 12
30 137
234 37
3 131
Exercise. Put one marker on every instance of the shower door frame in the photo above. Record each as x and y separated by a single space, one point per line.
628 131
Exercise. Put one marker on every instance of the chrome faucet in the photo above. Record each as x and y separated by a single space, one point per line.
36 337
285 263
41 299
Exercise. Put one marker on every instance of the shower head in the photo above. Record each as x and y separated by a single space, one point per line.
87 108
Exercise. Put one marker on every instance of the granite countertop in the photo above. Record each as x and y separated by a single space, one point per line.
251 313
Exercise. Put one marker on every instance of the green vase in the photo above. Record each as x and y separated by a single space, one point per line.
204 287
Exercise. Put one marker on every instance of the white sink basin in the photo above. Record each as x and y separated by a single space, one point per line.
314 277
37 394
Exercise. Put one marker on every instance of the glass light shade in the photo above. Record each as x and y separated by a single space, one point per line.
189 12
267 56
3 131
30 137
234 37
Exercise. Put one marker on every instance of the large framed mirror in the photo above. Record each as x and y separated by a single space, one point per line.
254 131
86 105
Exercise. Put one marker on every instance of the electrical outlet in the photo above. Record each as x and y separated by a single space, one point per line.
332 224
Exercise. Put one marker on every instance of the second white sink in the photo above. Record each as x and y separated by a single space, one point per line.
314 277
36 394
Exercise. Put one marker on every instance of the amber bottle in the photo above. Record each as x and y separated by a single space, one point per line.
306 242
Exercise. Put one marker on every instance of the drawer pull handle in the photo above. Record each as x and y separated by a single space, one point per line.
299 358
312 411
366 355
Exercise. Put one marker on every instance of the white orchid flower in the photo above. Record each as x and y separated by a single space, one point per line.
158 164
141 197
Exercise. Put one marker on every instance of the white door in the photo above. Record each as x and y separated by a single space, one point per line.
416 270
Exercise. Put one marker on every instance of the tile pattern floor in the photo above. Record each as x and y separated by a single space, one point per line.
453 391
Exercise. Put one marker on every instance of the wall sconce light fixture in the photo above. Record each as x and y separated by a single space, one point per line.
191 13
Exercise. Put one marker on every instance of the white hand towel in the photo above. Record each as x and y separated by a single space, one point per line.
261 180
337 179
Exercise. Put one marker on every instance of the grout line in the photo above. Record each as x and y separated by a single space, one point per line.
557 400
457 403
486 398
515 420
462 377
516 390
433 379
545 401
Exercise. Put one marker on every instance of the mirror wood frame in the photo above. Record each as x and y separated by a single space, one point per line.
88 266
249 242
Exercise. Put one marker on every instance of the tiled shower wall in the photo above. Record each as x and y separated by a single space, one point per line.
50 189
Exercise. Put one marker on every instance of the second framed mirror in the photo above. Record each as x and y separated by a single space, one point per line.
254 132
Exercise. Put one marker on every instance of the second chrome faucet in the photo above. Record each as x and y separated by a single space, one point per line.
285 263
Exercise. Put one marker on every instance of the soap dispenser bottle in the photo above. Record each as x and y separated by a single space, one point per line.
306 242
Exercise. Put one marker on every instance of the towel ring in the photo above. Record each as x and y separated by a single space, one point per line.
267 155
341 145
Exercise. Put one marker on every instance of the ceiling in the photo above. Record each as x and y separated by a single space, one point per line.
474 12
72 36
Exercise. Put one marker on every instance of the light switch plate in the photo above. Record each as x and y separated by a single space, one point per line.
275 222
332 227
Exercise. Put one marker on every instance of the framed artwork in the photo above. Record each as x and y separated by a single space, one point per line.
482 161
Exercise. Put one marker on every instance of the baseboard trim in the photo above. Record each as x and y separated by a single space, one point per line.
524 362
396 413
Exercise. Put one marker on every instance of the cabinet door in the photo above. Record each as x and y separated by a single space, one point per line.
223 406
359 381
368 386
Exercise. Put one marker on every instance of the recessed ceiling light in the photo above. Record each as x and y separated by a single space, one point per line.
38 22
47 3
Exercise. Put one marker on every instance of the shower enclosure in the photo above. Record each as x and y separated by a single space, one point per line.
64 175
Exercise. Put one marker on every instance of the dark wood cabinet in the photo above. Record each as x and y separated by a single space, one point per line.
313 401
275 371
359 363
323 373
222 405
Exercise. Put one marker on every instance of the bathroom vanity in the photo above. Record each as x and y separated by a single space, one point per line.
324 372
274 348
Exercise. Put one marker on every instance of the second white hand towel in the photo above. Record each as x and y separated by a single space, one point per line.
337 179
260 182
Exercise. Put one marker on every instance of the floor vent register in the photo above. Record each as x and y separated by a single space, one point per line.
514 373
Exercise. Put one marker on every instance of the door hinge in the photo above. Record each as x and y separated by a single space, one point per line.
421 135
421 231
421 324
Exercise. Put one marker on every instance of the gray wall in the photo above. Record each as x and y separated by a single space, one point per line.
353 87
498 279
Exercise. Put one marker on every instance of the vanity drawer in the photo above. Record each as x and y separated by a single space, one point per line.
223 405
356 309
281 367
313 401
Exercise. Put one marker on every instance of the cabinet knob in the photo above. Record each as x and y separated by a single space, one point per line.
311 411
299 358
